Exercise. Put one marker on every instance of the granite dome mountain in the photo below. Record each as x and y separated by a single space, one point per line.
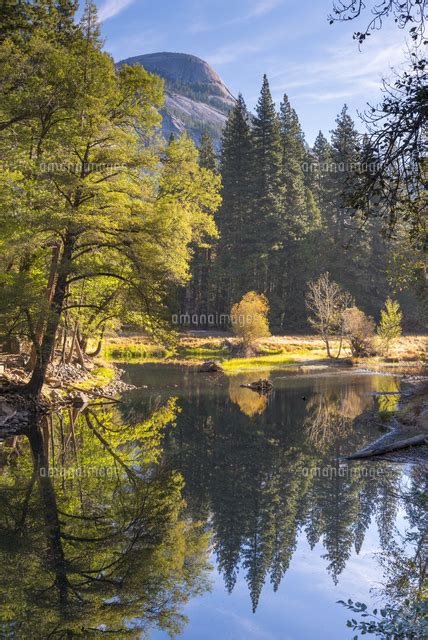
196 97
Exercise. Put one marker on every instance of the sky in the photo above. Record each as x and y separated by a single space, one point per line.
318 65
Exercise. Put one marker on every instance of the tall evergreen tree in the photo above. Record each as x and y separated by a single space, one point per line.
267 188
320 170
299 217
196 298
234 251
207 154
345 157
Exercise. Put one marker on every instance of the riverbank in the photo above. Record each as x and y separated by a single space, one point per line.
100 377
272 352
407 438
66 385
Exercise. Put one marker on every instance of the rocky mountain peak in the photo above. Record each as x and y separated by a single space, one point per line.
196 96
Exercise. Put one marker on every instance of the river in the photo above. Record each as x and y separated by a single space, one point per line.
201 508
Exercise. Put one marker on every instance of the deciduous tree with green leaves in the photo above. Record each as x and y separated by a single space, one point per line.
390 324
87 172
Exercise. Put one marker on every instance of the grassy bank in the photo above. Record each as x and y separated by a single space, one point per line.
272 352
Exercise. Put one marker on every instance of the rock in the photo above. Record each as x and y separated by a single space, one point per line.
196 98
210 366
263 385
229 345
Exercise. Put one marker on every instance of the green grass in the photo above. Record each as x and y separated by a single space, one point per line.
201 352
134 352
267 361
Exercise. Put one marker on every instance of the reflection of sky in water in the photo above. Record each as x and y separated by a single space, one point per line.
305 604
304 607
254 478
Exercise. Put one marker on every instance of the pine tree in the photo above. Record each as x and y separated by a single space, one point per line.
299 217
267 188
196 298
339 218
207 154
234 251
320 170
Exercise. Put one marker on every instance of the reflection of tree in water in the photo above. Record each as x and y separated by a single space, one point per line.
250 402
257 482
404 555
331 412
388 390
97 545
403 561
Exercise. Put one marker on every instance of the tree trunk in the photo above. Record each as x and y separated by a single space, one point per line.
47 345
38 332
55 551
97 351
73 343
327 346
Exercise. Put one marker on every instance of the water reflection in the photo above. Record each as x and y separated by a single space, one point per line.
250 402
264 480
93 538
108 514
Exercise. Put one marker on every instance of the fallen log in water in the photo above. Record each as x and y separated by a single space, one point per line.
262 386
390 448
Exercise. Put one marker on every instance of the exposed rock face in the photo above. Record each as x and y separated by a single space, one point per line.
196 96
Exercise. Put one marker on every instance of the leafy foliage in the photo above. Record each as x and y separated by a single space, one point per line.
390 323
358 330
249 318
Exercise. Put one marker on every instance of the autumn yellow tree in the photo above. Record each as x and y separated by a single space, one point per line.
249 319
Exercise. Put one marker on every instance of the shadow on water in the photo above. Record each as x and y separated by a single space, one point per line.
108 515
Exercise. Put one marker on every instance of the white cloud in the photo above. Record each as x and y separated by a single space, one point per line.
232 52
131 44
235 50
263 6
257 9
340 72
111 8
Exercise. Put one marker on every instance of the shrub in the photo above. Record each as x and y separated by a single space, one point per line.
358 330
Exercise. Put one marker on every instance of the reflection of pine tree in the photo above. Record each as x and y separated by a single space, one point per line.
387 507
367 501
340 506
249 473
257 552
291 485
231 492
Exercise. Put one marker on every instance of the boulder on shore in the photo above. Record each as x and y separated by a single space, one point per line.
210 366
263 385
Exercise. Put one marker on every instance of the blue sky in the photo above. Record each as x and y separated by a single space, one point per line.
318 65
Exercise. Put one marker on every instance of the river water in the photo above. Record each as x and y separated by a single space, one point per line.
199 508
